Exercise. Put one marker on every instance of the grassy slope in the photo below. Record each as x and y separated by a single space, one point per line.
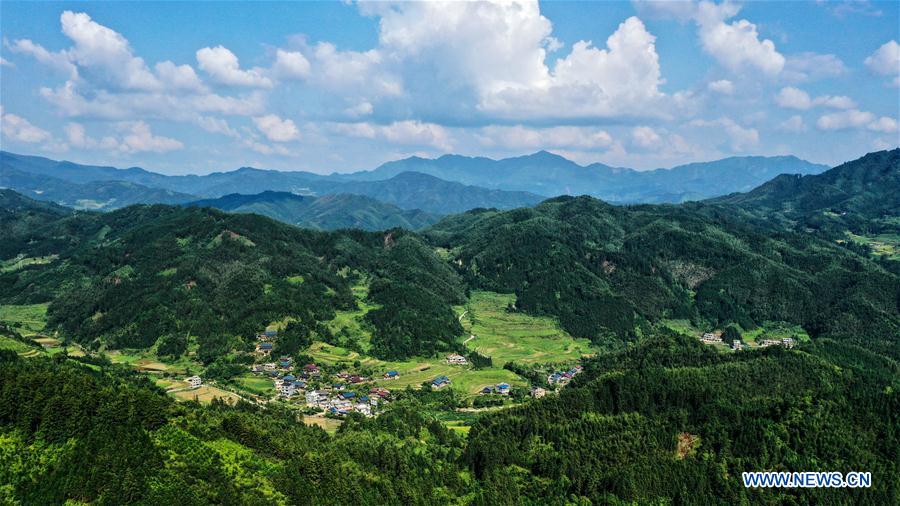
517 337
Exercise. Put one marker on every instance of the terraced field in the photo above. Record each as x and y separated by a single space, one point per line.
31 317
517 337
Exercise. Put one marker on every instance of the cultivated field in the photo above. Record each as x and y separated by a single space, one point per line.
517 337
31 317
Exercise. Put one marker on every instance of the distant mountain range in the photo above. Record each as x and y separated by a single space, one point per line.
446 185
329 212
549 174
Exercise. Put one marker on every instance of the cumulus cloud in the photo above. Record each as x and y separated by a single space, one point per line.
885 61
809 66
621 80
179 77
20 129
137 138
795 98
723 86
223 66
104 52
290 65
59 61
276 129
645 137
520 137
408 132
736 45
793 124
856 119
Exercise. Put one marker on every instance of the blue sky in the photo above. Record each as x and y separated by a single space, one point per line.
195 87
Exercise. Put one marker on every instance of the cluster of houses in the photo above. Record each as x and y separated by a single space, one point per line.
787 342
499 388
563 377
340 402
456 359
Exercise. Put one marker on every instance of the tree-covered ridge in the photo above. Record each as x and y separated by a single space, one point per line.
130 277
107 437
672 420
860 195
607 271
329 212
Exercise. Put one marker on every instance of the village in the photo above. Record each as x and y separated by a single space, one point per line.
715 338
332 391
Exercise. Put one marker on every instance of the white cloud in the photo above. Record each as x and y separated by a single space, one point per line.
20 129
885 61
856 119
809 66
409 133
723 86
216 125
836 102
77 137
105 53
276 129
223 66
353 73
622 80
793 124
179 77
138 138
363 108
6 63
737 45
290 65
71 101
520 137
59 61
795 98
883 124
645 137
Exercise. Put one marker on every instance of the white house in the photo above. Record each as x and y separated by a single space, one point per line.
194 381
455 359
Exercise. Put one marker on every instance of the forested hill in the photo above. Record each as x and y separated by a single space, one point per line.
608 272
130 277
862 195
329 212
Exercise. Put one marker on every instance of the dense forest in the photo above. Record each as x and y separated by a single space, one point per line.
608 272
130 277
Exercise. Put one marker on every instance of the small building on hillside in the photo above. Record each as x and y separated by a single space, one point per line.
311 369
769 342
788 342
264 348
380 392
284 362
391 375
439 382
538 392
503 388
488 390
456 359
737 345
711 338
194 381
287 388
